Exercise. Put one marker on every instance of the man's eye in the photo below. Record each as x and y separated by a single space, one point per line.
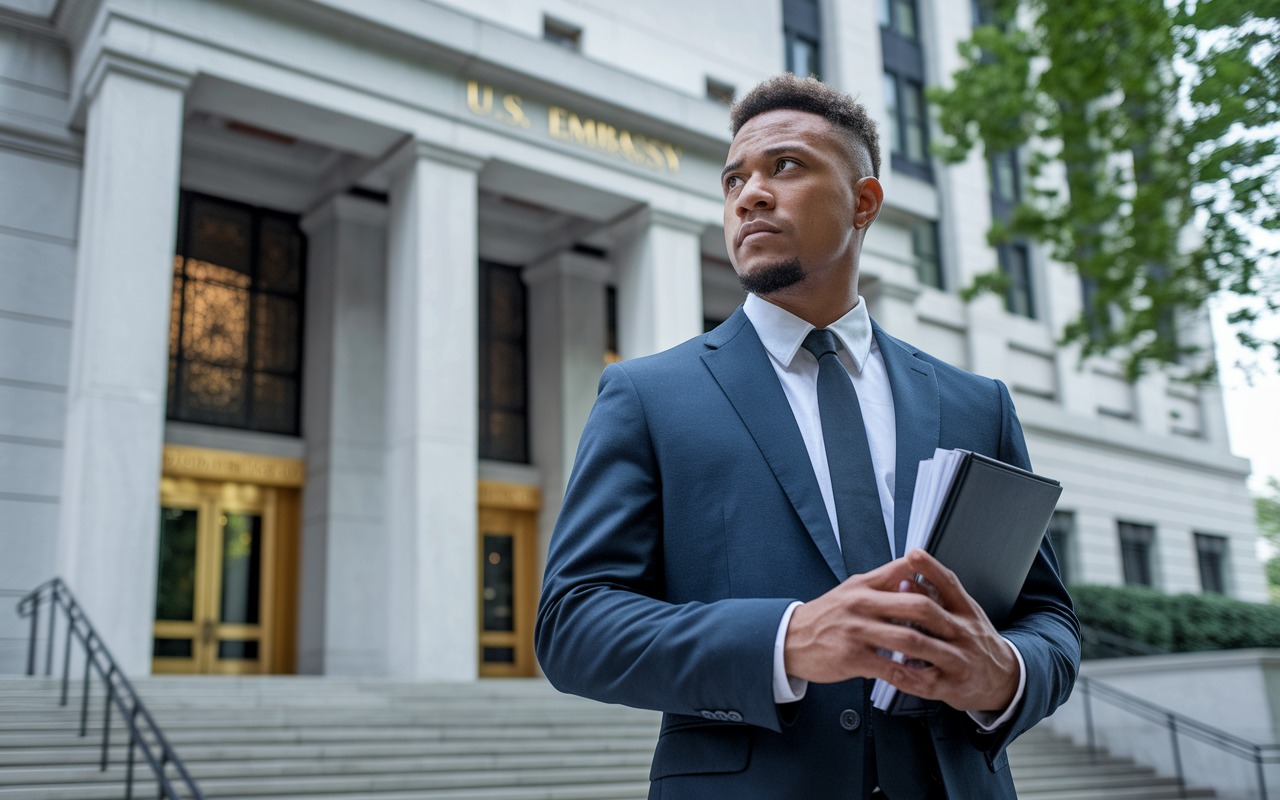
732 182
784 163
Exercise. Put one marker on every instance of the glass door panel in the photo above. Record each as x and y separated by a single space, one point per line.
507 592
215 548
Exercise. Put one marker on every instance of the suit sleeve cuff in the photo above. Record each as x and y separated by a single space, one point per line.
987 720
787 689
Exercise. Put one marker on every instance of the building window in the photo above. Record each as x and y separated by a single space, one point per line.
562 33
720 92
1135 553
924 244
1211 552
1015 262
504 397
802 34
1006 190
908 125
235 327
899 16
1061 531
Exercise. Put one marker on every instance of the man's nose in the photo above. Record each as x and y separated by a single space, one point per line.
754 195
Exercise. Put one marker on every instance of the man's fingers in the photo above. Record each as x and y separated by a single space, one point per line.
953 595
885 577
912 643
909 607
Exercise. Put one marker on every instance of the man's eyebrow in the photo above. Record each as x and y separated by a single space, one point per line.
776 150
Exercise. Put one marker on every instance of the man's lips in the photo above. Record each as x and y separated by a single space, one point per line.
751 228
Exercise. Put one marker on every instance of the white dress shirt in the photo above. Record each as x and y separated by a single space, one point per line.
782 334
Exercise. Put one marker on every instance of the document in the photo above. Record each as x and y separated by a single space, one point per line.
984 520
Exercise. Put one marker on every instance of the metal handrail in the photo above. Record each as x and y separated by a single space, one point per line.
1176 723
144 733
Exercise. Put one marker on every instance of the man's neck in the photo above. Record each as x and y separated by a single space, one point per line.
820 312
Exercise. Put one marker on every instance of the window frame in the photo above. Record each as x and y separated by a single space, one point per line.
175 400
1137 539
1204 544
486 447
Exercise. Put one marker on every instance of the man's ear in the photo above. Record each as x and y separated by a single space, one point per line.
868 198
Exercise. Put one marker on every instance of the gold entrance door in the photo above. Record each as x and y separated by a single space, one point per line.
508 524
226 560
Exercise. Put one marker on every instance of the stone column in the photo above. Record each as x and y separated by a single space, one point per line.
109 524
432 396
342 621
566 357
659 283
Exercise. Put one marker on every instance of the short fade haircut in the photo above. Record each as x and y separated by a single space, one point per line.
786 91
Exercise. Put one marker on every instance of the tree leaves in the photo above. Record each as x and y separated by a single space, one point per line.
1144 123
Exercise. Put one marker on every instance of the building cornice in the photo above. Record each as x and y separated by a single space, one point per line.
1046 418
468 45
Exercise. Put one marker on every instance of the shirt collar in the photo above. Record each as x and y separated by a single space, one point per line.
782 333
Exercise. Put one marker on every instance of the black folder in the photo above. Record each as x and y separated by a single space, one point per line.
988 532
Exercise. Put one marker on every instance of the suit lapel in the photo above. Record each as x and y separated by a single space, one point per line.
917 423
741 366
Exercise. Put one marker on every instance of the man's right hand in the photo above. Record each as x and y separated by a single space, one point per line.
966 663
835 637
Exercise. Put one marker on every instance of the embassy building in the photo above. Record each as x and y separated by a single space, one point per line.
303 305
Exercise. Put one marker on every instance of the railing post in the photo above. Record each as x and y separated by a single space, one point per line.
53 616
128 775
1088 720
66 659
84 703
106 717
31 645
1172 722
1262 774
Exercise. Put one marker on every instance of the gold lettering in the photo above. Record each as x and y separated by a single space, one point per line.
673 154
628 148
473 98
555 119
584 133
655 155
512 104
606 137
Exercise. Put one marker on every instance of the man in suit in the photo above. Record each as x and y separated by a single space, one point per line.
726 549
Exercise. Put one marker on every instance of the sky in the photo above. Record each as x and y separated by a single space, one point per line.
1252 399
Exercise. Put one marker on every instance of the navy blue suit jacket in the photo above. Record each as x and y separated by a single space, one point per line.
693 519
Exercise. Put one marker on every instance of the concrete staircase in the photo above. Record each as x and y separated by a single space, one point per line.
295 738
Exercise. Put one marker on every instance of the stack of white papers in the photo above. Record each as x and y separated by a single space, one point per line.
933 482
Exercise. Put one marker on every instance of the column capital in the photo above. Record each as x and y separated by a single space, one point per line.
414 150
680 222
345 208
112 61
568 264
638 221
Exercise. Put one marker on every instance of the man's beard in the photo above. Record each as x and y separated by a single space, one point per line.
772 277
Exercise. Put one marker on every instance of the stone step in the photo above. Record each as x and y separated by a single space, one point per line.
306 738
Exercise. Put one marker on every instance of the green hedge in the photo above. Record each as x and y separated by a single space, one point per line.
1179 623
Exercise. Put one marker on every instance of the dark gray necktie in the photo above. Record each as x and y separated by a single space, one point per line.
863 540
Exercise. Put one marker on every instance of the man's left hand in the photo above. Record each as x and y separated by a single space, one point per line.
972 667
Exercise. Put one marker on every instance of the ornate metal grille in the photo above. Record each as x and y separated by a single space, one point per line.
235 332
504 419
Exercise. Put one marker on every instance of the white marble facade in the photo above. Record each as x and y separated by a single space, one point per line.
479 135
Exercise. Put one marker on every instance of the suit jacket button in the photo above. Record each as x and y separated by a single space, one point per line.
849 719
734 716
708 714
722 716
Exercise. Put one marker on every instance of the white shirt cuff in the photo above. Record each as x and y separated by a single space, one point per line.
987 720
787 689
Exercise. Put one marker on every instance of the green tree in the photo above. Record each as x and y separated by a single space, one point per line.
1268 508
1141 121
